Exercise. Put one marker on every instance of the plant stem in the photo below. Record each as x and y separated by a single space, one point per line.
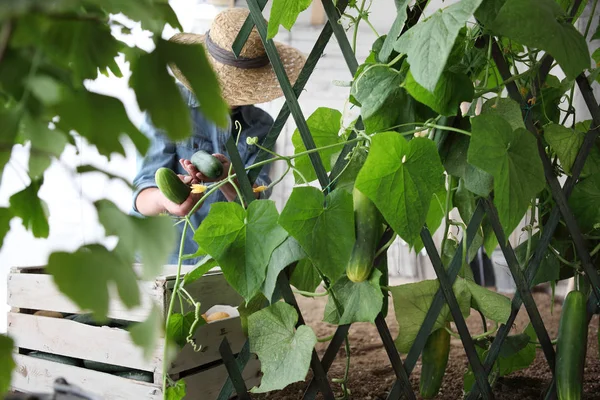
452 333
488 333
356 23
170 309
395 60
311 294
325 339
447 212
448 128
386 246
497 88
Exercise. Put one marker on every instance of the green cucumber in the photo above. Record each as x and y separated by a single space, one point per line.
171 186
207 164
434 360
368 223
571 346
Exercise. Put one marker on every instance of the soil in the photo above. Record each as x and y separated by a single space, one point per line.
371 375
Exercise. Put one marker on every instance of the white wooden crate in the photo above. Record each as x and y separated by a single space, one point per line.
30 289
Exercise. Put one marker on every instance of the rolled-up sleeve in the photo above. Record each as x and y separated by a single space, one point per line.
161 153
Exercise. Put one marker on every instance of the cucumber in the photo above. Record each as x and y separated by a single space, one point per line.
368 223
171 186
435 360
571 346
207 164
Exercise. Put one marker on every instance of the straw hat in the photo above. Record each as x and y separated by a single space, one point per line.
249 79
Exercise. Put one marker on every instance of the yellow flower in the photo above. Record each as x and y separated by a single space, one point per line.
196 188
259 189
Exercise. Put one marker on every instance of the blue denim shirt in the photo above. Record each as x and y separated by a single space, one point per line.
207 136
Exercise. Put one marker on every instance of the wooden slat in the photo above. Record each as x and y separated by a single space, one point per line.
74 339
210 290
209 336
37 375
39 292
206 385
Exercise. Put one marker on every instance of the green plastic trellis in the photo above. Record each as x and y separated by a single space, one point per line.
445 295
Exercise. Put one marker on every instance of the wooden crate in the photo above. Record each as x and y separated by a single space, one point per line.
30 289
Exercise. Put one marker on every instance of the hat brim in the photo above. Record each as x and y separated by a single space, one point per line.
247 86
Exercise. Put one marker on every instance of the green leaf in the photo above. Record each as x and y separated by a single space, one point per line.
398 113
7 363
285 254
517 351
435 215
511 157
324 227
305 276
346 179
448 252
455 162
428 44
6 216
45 88
285 12
80 46
9 126
465 203
153 14
491 304
360 302
411 303
401 177
32 210
153 238
205 265
146 334
542 24
242 241
394 33
451 90
150 76
100 119
15 8
245 310
177 392
179 327
567 142
584 202
324 126
506 108
284 352
85 276
374 87
46 144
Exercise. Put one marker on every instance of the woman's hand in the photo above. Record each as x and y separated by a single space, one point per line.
183 209
198 176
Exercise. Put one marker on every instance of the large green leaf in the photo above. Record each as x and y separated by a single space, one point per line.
455 152
324 126
511 157
394 33
80 46
149 76
491 304
543 24
374 87
451 90
285 254
177 391
567 142
15 8
31 209
305 276
242 241
359 301
584 202
180 326
284 351
285 12
398 113
85 276
506 108
401 177
465 203
153 238
152 14
411 303
147 333
100 119
324 227
428 44
203 266
46 144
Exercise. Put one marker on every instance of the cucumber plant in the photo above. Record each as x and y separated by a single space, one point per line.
439 130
